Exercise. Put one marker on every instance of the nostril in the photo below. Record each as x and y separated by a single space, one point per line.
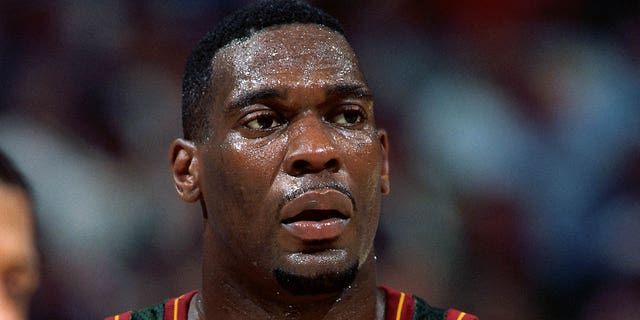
300 165
305 166
331 164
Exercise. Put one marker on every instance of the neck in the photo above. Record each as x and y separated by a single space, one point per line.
226 295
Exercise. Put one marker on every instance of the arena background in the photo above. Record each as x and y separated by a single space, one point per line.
515 149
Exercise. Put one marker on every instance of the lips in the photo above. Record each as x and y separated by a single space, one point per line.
317 215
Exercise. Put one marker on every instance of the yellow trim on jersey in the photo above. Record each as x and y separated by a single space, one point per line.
461 316
175 308
399 312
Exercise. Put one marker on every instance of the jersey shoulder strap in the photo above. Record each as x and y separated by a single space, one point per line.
172 309
453 314
402 306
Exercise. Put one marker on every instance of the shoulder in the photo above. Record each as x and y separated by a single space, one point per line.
403 306
175 308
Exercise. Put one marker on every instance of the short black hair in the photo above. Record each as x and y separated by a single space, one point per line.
239 25
9 174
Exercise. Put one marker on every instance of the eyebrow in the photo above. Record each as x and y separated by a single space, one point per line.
358 91
255 96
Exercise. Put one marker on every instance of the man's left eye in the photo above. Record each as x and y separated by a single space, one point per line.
348 117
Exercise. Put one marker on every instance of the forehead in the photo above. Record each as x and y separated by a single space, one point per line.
294 55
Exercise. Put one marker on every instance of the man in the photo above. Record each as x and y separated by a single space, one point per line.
281 150
18 254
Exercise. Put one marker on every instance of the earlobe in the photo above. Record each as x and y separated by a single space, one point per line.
384 168
185 169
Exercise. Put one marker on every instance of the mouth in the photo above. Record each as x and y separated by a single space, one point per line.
317 215
325 226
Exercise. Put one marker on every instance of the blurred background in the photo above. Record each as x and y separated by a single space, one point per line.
515 149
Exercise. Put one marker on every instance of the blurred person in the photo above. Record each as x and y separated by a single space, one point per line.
282 152
18 253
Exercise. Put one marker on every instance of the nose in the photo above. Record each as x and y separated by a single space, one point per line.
311 149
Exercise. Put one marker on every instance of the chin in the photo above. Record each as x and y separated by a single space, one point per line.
318 282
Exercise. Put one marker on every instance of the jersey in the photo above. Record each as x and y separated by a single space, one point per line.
399 306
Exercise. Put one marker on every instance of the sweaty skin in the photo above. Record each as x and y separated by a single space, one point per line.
18 258
290 176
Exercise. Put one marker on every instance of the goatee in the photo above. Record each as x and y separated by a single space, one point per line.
323 283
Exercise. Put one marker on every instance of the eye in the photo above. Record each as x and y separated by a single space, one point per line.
349 116
262 121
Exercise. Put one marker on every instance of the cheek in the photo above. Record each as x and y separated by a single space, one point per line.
362 157
248 219
243 178
252 161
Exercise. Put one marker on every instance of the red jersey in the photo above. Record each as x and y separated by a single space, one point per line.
399 306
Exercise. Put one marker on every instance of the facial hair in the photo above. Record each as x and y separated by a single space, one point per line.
323 283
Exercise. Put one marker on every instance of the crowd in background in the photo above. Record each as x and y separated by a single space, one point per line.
514 132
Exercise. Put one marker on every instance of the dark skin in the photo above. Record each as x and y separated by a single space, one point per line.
292 122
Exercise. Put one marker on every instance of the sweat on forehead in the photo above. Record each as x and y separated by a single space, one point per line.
297 50
239 25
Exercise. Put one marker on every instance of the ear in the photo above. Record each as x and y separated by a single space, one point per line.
185 168
384 170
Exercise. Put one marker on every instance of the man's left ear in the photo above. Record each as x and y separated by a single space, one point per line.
384 169
185 169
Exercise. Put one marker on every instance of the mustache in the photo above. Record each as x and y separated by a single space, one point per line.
292 194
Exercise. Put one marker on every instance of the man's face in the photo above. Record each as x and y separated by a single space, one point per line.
293 169
18 258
